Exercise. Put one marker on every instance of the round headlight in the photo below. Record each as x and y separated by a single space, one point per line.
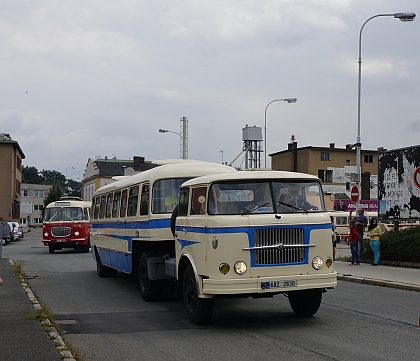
317 262
46 234
240 267
329 262
76 233
224 268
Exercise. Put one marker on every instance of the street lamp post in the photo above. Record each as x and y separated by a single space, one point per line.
181 152
403 17
69 168
289 100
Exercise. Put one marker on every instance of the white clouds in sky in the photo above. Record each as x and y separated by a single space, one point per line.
103 76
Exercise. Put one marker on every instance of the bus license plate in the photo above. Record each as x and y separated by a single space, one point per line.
280 284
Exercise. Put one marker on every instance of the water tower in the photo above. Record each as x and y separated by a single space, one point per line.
252 138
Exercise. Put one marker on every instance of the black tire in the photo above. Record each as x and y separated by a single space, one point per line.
86 248
199 310
51 249
306 302
104 271
149 289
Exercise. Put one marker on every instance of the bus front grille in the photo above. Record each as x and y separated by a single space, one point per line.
275 236
60 231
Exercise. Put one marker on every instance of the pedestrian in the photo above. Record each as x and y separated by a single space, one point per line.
361 223
334 237
375 234
352 240
340 206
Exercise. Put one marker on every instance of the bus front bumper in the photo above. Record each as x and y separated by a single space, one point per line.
268 285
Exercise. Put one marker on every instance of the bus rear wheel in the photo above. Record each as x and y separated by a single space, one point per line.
199 310
149 289
306 302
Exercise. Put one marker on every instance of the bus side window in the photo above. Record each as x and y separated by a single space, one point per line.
123 203
116 204
144 201
108 209
102 207
86 214
133 198
96 208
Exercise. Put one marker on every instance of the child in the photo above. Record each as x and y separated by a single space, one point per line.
352 240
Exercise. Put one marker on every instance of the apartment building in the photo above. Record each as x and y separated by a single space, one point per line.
11 156
32 204
336 167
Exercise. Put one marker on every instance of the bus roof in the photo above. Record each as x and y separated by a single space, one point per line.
246 175
188 169
70 203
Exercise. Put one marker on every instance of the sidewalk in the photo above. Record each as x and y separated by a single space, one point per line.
22 337
386 276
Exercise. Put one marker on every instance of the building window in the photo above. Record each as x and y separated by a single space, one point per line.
38 207
19 164
24 192
368 158
348 162
348 186
325 156
325 175
38 193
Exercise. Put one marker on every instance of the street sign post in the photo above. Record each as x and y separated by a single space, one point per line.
354 194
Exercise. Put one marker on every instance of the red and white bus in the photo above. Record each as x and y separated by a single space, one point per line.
67 224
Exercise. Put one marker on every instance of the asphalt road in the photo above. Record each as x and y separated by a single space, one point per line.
108 320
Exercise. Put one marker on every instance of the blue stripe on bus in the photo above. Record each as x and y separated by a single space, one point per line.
139 224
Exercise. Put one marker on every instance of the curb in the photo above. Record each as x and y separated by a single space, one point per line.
58 341
381 283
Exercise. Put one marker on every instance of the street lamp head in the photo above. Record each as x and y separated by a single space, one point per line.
163 131
291 100
405 16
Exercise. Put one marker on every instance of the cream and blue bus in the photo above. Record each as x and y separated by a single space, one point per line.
254 234
130 220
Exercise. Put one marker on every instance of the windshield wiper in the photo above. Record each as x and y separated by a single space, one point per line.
292 206
255 208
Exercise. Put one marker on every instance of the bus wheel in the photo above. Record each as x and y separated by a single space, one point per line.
149 289
51 249
199 310
305 302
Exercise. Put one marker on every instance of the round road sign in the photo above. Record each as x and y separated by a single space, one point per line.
354 194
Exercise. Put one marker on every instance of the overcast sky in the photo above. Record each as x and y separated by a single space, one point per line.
87 78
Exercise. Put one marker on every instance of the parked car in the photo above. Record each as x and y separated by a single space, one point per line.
5 231
14 231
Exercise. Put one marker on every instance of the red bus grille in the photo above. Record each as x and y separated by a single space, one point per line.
60 231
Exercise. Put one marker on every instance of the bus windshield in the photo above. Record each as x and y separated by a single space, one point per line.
56 214
265 197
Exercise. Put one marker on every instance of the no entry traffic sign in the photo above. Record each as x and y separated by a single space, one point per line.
354 194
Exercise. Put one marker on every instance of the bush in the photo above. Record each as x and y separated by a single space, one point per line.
398 246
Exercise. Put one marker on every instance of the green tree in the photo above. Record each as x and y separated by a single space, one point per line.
53 195
73 188
52 177
31 175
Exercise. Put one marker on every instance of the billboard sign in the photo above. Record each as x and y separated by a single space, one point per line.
399 183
